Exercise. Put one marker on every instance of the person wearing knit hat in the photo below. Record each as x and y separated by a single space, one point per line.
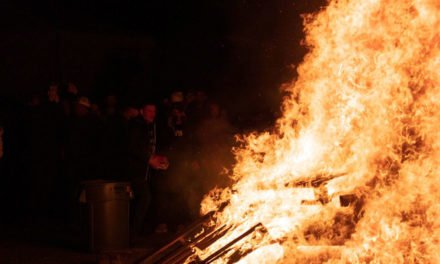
84 101
82 106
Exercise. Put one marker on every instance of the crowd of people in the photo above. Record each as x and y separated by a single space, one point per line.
172 152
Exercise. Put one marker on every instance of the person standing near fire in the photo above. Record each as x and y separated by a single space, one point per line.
142 162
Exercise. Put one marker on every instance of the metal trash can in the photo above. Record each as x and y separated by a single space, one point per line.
108 214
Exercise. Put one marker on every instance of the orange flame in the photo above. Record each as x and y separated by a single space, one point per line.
366 105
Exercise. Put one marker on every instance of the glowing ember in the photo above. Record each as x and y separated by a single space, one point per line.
365 107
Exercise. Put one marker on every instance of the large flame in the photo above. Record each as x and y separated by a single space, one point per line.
366 106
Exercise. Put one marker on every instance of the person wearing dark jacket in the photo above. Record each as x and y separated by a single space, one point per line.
142 160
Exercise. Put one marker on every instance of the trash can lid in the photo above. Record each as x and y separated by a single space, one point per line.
100 190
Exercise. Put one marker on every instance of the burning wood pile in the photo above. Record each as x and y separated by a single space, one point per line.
203 234
351 172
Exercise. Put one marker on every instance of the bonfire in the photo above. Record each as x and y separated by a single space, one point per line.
351 172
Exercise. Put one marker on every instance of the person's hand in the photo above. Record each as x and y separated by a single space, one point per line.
164 163
154 162
158 162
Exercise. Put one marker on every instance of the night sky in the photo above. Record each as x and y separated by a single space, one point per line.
239 51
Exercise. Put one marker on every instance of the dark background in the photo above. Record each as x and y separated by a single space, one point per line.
239 51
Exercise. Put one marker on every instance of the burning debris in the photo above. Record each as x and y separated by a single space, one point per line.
203 234
366 103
